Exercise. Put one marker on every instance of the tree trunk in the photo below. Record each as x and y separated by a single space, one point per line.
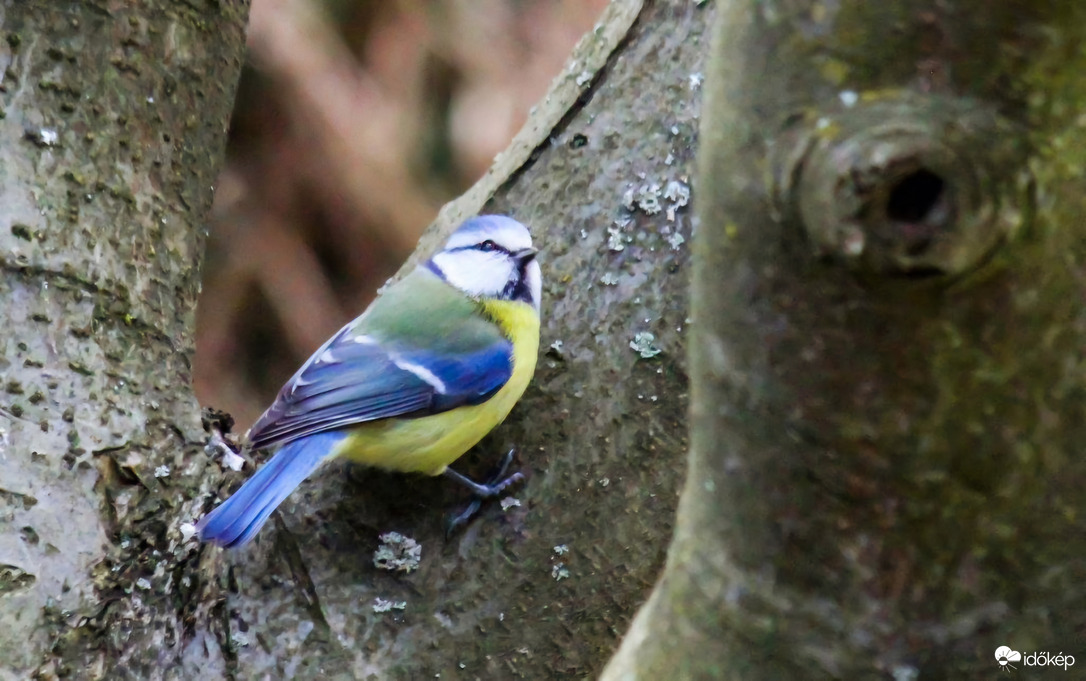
111 133
100 277
888 405
543 590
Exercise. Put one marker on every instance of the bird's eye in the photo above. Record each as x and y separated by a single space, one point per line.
488 245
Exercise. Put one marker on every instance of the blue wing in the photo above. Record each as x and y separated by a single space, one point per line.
355 378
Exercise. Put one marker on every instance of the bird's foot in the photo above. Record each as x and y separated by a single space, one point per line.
495 485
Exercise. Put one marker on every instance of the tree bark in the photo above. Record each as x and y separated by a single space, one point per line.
544 590
114 123
887 402
112 126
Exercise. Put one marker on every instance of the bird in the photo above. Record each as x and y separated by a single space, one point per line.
435 362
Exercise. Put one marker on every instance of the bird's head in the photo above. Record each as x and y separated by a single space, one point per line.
491 256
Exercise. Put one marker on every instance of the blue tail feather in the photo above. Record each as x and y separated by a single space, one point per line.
239 518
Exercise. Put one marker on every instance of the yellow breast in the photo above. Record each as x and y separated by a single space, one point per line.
429 444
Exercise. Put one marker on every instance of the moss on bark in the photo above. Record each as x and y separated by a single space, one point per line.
885 473
112 131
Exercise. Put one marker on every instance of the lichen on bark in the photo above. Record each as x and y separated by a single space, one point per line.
107 172
602 179
884 477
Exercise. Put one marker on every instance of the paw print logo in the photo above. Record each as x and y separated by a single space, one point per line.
1004 656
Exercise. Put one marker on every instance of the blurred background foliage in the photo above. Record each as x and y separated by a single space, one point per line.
355 121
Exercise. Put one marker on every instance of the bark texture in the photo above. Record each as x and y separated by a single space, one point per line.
888 399
544 589
112 121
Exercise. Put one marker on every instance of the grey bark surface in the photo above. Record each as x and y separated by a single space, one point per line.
601 175
887 367
103 464
112 122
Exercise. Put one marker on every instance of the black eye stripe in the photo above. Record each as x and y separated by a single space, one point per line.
487 246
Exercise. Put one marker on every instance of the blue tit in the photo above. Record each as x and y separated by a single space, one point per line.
435 362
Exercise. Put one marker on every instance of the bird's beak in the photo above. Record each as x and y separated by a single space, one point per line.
525 255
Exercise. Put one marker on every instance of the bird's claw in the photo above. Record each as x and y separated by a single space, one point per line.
495 485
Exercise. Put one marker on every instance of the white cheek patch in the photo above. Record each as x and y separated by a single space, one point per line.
476 273
533 277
